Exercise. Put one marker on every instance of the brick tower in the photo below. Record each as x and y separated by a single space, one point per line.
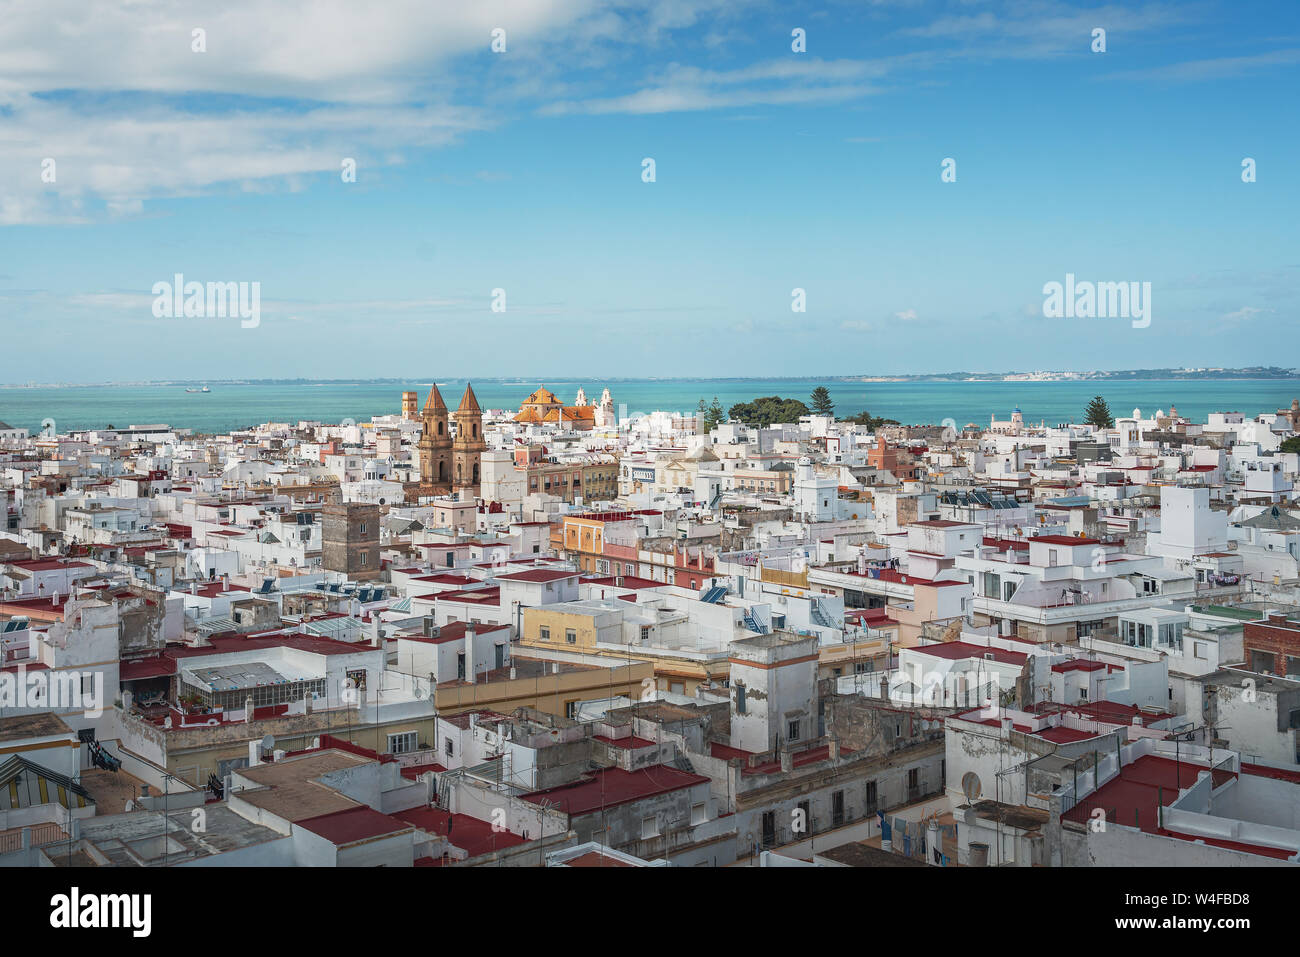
469 444
435 446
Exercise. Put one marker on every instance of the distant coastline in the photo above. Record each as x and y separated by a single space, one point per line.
1120 375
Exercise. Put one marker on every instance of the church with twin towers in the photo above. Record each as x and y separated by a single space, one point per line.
450 464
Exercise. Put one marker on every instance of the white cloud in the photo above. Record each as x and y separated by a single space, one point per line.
1243 314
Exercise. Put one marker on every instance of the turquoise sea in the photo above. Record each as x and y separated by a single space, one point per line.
230 406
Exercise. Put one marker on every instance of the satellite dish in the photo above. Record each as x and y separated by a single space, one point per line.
268 743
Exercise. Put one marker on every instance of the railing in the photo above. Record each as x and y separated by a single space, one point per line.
40 835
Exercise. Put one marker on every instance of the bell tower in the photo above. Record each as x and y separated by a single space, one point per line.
435 446
469 444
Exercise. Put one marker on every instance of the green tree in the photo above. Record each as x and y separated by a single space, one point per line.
869 420
707 417
1292 444
716 414
821 401
767 410
1098 414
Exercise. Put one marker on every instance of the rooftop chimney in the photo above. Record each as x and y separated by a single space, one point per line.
469 654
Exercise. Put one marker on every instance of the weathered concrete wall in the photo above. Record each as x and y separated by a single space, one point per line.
1128 847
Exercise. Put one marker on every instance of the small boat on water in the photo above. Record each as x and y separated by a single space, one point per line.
191 390
204 389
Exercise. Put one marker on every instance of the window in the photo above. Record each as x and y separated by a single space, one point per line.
870 799
544 633
792 729
740 699
460 666
649 828
570 636
363 528
364 557
571 710
699 814
448 748
403 743
913 779
837 809
1085 628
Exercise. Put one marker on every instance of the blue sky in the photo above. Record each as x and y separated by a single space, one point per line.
522 171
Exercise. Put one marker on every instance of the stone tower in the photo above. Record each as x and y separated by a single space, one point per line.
469 444
435 446
350 540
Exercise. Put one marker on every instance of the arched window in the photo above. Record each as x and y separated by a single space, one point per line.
441 426
475 427
442 471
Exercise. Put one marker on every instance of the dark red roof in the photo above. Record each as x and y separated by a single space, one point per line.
471 835
453 631
627 581
146 668
614 786
1131 797
354 824
537 575
631 742
957 650
413 771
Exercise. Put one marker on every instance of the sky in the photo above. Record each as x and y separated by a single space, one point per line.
128 156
